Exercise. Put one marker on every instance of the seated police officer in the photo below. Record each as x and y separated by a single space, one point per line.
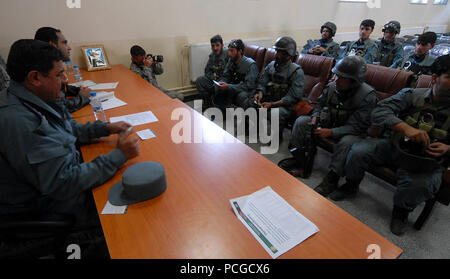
238 83
364 46
420 61
282 83
79 96
416 123
147 68
342 113
213 71
42 171
390 51
325 46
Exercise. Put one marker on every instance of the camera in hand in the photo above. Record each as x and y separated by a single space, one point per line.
156 58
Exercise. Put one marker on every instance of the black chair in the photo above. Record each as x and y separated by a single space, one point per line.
30 236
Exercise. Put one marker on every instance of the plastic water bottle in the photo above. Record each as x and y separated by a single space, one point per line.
69 69
96 104
77 73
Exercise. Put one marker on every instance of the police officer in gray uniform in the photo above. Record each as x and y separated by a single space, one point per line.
238 83
342 113
42 171
420 61
390 51
79 96
4 77
416 139
147 68
325 46
364 46
213 71
282 83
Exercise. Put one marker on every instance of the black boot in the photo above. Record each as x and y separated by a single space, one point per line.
350 188
399 220
329 184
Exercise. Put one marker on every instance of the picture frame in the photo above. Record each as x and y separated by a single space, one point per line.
95 58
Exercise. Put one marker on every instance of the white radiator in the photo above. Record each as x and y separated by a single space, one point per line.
411 31
346 36
199 52
436 29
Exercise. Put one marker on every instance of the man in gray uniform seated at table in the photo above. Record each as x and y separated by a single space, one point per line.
42 171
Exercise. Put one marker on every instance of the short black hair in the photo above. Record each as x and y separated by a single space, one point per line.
368 23
29 55
427 38
238 44
47 34
137 51
441 65
216 38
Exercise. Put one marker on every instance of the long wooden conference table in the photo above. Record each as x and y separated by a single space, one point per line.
193 218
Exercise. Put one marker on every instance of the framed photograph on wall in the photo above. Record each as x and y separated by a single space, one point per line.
95 57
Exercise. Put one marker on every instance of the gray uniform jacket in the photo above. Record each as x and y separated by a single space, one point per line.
41 169
292 73
219 61
76 101
362 101
416 64
387 112
148 73
392 50
246 71
367 50
332 49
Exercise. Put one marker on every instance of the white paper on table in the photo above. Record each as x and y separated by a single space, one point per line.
112 103
146 134
136 119
84 83
112 209
275 224
104 95
104 86
108 100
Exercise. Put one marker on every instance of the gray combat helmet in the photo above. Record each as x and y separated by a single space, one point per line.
331 26
392 25
352 67
412 157
287 44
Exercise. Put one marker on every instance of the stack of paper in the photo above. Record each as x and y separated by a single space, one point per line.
84 83
136 119
104 86
108 100
276 225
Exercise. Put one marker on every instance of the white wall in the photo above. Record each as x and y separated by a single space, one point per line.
168 26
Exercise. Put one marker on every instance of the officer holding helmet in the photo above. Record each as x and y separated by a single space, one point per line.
342 113
282 83
325 46
412 134
390 51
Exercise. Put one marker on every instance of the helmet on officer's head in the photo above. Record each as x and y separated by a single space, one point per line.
393 26
352 67
287 44
412 157
331 26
